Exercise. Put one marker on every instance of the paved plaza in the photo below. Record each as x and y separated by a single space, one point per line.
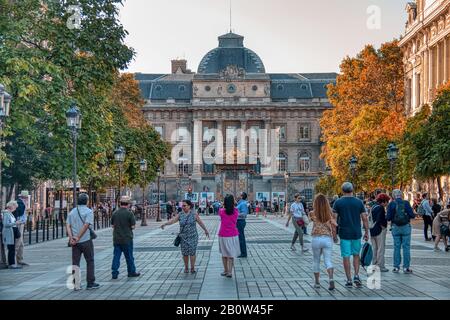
272 271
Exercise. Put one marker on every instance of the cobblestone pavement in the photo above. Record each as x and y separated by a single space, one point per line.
271 271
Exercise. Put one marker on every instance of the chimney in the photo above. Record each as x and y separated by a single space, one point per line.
180 65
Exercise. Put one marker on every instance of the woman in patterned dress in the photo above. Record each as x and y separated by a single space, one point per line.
188 220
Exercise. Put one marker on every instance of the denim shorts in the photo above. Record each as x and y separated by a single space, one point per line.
350 248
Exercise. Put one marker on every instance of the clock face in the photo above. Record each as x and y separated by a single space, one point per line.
231 88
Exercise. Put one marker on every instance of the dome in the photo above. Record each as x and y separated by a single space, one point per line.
231 51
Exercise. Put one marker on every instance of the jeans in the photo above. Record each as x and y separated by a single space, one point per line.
402 239
427 221
241 226
87 249
322 245
127 250
298 232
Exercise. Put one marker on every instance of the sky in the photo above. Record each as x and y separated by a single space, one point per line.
290 36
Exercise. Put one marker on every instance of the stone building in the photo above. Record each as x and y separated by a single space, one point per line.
426 48
230 91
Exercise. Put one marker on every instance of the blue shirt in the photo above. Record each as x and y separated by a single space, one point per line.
349 210
392 209
242 207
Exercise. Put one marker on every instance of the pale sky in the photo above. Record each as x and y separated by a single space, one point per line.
288 35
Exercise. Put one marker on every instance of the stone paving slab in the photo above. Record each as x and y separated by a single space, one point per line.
271 272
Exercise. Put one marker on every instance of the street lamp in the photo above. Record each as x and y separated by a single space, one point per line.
353 163
143 167
119 156
158 217
5 103
286 180
73 117
392 153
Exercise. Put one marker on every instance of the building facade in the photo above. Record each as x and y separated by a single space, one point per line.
232 94
426 48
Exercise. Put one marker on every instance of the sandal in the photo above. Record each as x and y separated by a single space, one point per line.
193 271
229 275
224 274
331 286
186 271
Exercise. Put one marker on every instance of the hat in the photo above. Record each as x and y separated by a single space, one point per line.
125 199
24 194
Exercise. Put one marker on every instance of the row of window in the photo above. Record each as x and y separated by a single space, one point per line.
304 133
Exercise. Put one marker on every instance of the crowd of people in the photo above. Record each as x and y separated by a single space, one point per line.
340 221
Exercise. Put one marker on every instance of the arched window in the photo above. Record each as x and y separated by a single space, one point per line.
183 166
281 162
304 162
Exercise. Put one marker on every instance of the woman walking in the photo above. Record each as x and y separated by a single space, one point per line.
9 223
379 230
228 236
323 233
188 220
297 212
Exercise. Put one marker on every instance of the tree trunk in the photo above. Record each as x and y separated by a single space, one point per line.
441 191
90 194
9 193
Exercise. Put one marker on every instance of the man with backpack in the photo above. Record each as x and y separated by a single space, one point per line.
399 212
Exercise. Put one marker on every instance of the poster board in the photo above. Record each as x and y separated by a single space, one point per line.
193 197
262 196
278 196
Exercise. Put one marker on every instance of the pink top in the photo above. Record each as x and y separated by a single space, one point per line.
228 223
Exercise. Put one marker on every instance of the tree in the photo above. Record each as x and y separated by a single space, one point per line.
368 112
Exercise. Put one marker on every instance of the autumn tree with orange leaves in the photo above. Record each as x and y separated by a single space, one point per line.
368 114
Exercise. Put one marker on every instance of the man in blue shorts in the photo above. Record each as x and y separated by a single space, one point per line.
350 211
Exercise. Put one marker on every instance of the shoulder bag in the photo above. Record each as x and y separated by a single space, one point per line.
92 233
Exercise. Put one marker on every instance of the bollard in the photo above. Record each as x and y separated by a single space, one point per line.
43 229
62 227
48 229
37 230
29 230
57 229
53 228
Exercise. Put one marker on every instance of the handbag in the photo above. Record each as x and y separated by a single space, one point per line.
17 234
92 233
177 240
444 230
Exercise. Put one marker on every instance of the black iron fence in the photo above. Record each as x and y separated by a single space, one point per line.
39 228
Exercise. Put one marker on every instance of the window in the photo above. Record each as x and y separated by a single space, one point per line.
282 162
208 136
183 166
307 194
182 134
160 129
208 88
231 135
281 130
280 87
182 88
304 162
255 88
231 88
254 132
304 132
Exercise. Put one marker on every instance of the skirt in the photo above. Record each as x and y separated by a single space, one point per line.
229 247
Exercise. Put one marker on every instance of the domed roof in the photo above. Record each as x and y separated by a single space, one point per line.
231 51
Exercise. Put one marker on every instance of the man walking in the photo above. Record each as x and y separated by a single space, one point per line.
21 217
123 223
427 216
169 210
350 211
399 211
242 207
80 219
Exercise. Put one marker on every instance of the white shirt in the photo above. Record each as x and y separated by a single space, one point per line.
297 210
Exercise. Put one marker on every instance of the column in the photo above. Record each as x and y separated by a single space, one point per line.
267 163
242 143
446 57
219 142
430 75
197 149
425 77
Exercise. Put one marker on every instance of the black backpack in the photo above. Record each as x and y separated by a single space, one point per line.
401 218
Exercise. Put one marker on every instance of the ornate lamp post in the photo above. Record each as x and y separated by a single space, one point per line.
119 156
73 116
158 217
392 153
5 103
353 163
286 180
143 167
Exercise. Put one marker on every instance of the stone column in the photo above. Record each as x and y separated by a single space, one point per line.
438 65
431 82
219 142
197 150
265 150
446 57
425 76
242 143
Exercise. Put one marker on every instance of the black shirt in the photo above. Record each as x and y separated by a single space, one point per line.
379 216
122 220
